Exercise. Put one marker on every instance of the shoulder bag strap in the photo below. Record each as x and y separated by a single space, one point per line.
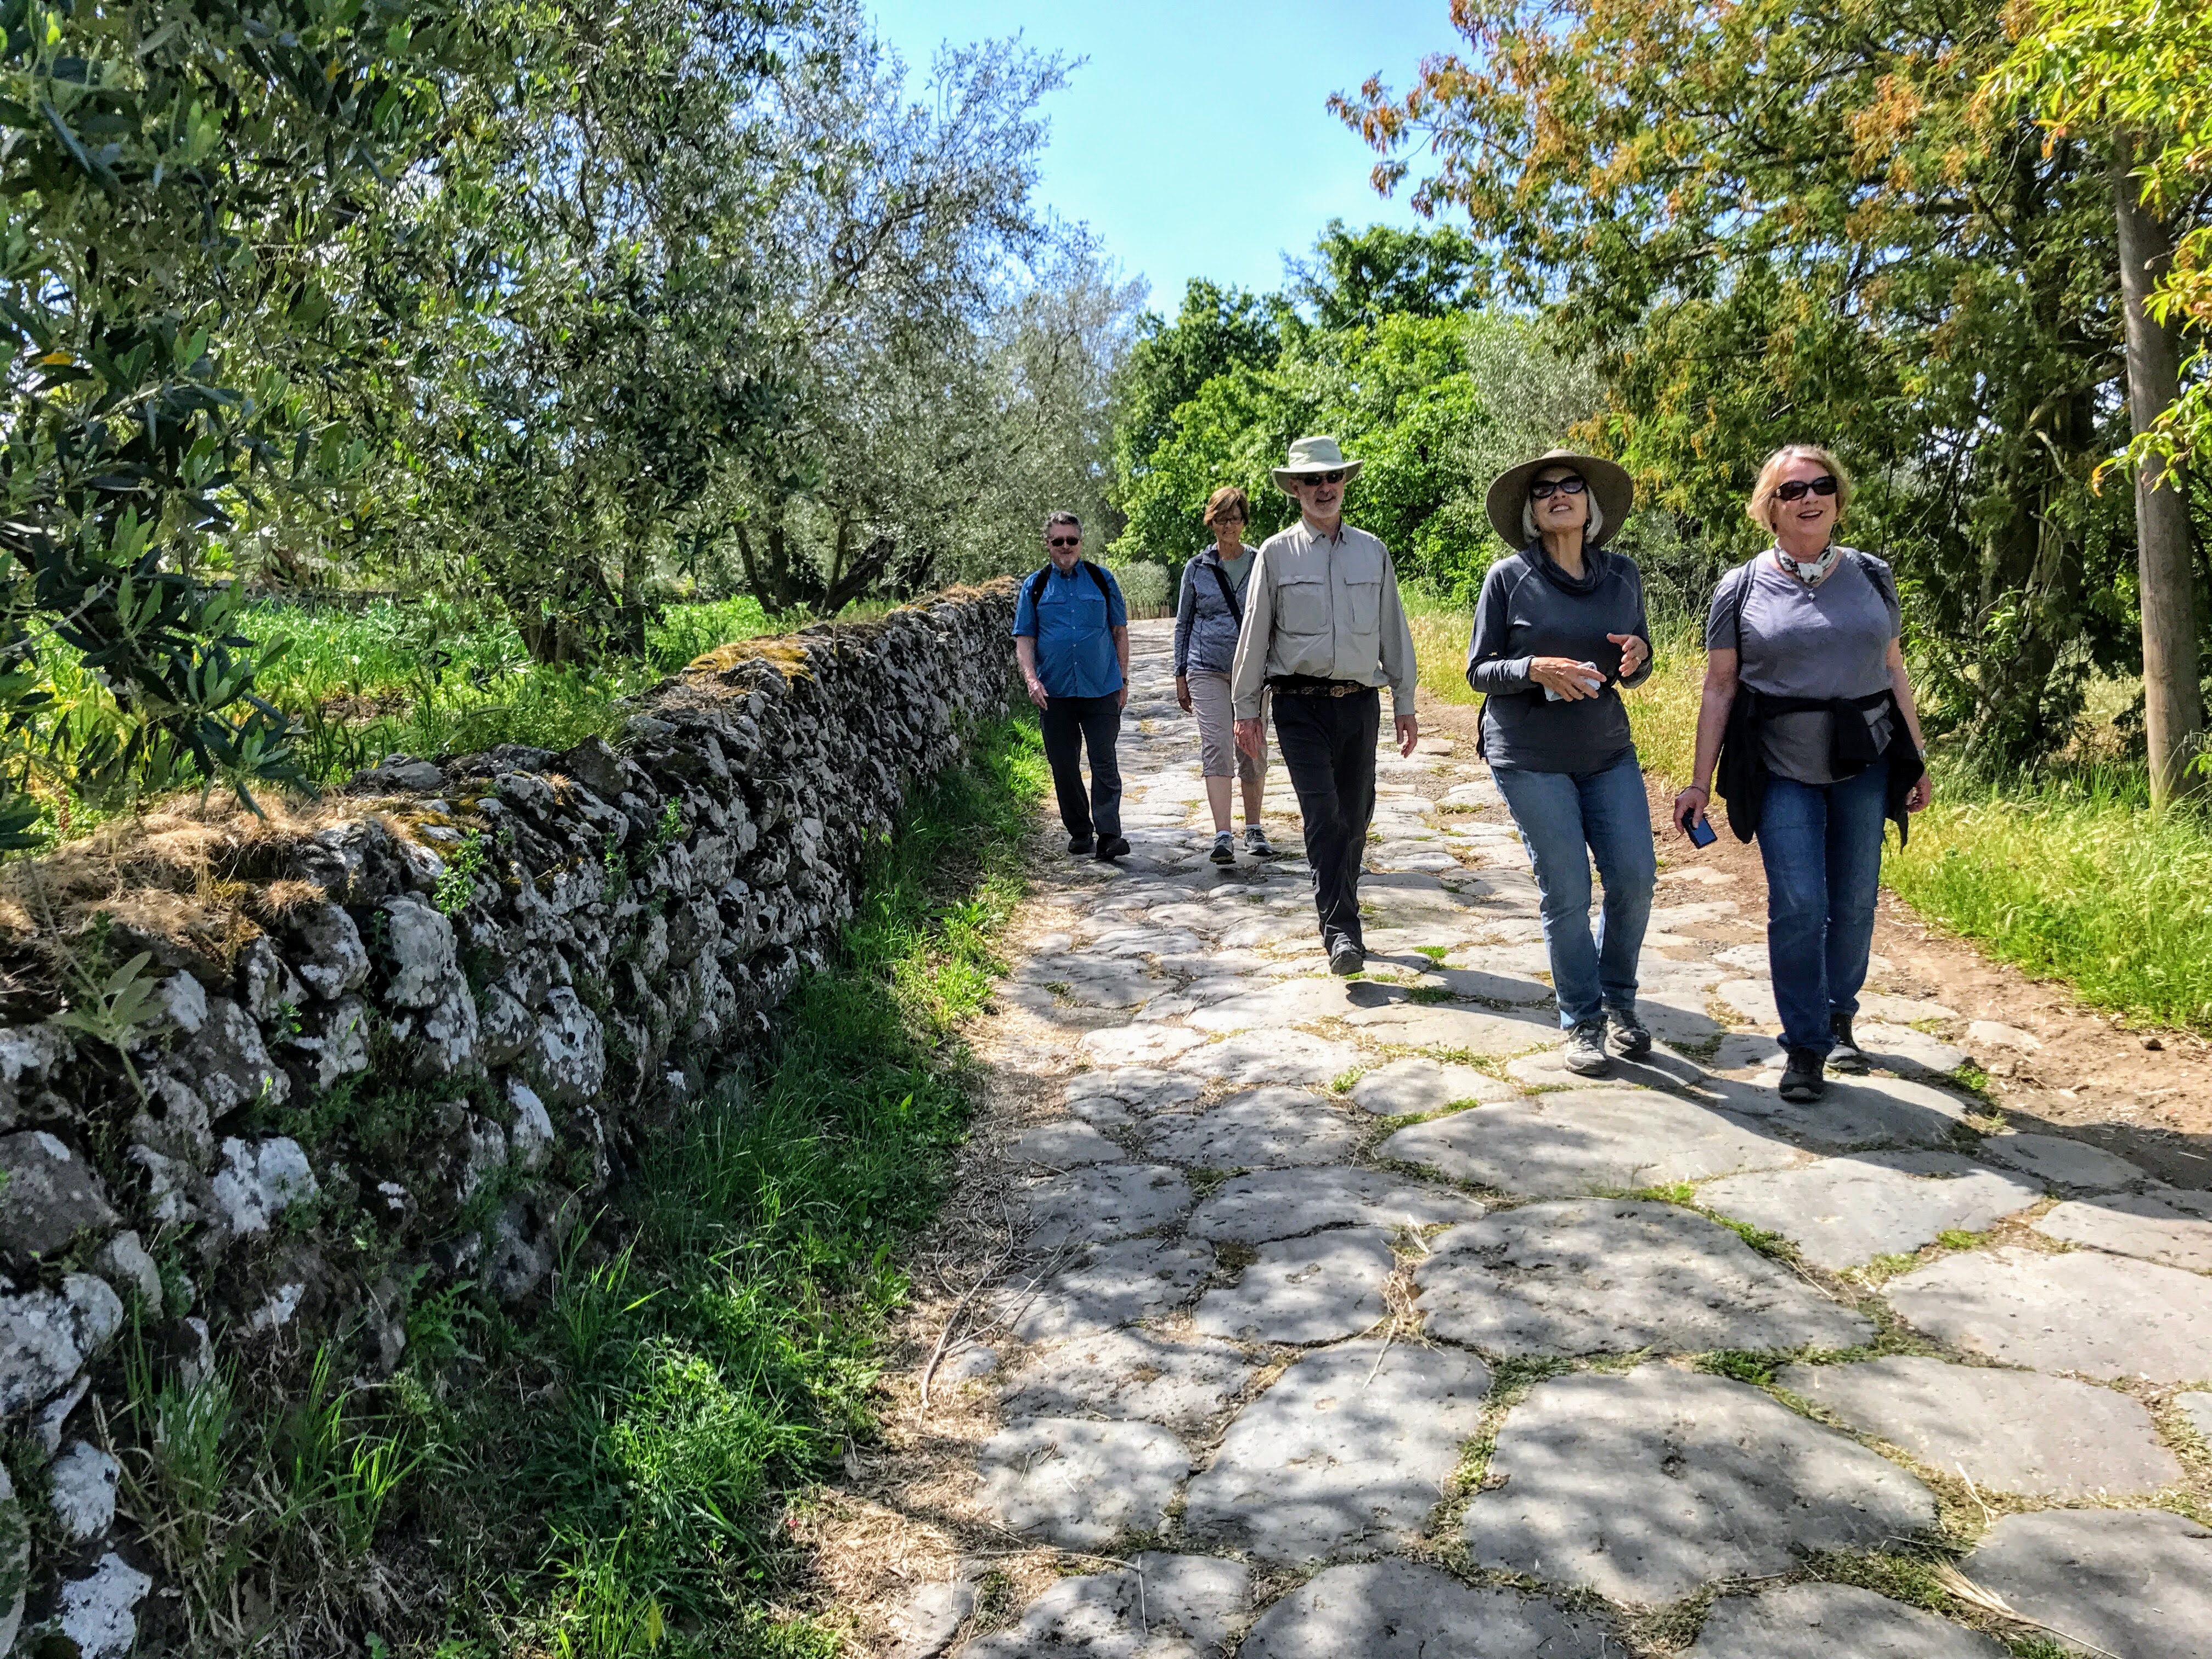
1099 577
1228 593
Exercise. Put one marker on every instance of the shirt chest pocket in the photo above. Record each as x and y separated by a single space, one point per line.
1078 612
1362 576
1301 604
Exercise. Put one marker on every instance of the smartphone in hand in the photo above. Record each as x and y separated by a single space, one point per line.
1700 831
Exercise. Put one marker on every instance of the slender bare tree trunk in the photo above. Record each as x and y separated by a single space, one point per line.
2174 706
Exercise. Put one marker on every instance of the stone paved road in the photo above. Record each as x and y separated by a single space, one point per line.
1350 1324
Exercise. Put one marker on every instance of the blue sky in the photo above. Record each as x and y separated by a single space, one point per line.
1197 141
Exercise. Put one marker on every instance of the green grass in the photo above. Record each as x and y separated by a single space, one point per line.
2075 881
610 1473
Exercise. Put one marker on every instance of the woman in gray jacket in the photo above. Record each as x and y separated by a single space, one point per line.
1208 614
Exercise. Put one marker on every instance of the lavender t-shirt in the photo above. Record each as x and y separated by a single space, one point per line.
1827 642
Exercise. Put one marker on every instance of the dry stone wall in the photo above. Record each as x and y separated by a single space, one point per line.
407 1038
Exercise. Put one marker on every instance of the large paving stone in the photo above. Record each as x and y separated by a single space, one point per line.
1407 1086
1130 1373
2047 1436
1613 1275
1109 1200
1454 1027
1256 1057
1317 1289
1158 1607
2178 1234
1093 982
1252 1209
1065 1146
1293 1002
1402 1610
1341 1454
1832 1621
1080 1484
2136 1582
1644 1487
1109 1285
2099 1314
2061 1162
1483 985
1901 1048
1109 1096
1751 999
2196 1407
1266 1128
1860 1112
1842 1211
1588 1141
1140 1044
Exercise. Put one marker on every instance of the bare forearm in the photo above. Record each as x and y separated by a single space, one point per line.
1025 654
1712 721
1122 651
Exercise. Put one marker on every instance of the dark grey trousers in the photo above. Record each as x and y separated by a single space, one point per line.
1328 749
1072 725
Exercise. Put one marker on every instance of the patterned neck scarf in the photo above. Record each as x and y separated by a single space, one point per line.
1812 572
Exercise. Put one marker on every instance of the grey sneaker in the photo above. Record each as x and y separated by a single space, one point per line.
1586 1055
1846 1057
1256 842
1631 1037
1346 959
1224 850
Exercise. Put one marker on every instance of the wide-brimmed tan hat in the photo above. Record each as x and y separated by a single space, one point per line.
1314 455
1608 482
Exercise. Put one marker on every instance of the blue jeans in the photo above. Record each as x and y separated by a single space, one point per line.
1560 814
1822 848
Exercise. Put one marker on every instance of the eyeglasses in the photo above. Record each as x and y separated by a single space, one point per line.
1542 490
1063 541
1336 477
1796 489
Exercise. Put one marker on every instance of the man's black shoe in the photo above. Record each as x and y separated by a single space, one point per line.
1802 1080
1346 959
1846 1057
1079 845
1113 847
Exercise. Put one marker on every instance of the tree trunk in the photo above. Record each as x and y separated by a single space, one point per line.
2173 707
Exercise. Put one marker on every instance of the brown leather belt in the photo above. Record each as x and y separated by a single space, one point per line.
1298 685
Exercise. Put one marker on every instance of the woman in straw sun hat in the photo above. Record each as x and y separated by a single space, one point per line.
1559 627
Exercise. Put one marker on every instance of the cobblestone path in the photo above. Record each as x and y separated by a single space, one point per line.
1351 1324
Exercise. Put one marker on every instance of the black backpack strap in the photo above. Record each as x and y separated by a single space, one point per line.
1228 593
1105 592
1037 587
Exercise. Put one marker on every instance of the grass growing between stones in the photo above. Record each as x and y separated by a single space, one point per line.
608 1475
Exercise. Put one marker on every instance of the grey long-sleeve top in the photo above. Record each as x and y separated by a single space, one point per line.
1531 608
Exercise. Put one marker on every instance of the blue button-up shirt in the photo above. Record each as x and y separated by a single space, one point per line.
1073 625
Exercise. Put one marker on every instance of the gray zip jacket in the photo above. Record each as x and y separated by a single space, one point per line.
1205 631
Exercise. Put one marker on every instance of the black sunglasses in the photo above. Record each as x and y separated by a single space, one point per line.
1063 541
1796 489
1336 477
1543 488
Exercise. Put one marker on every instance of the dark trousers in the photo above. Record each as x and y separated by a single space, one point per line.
1328 746
1071 726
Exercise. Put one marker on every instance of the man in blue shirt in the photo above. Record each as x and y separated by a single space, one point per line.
1071 635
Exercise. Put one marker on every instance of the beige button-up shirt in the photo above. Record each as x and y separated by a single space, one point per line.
1325 606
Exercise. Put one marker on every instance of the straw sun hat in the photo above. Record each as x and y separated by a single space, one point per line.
1314 455
1609 485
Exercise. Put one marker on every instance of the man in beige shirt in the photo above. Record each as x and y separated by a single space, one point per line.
1323 626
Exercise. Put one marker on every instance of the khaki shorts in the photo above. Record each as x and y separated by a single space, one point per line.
1218 756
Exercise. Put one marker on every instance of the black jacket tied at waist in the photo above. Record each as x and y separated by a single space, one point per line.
1742 775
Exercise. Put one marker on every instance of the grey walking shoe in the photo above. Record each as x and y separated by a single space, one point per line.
1346 959
1224 850
1802 1080
1631 1037
1256 842
1586 1055
1846 1057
